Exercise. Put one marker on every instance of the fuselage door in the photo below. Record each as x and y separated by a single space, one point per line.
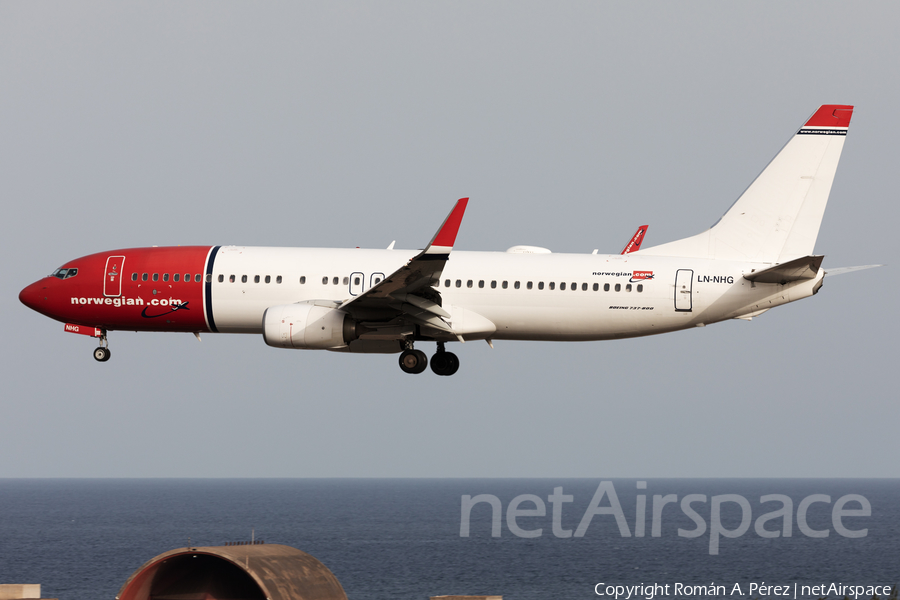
375 279
112 276
357 283
683 290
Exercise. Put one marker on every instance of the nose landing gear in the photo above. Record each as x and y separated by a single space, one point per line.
102 353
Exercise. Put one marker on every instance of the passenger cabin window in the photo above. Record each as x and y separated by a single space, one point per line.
493 285
618 287
583 287
469 283
481 283
165 276
176 277
256 279
596 287
134 276
516 285
459 283
334 281
302 279
278 279
221 278
505 284
605 287
144 277
243 279
562 285
156 277
552 285
208 277
324 281
346 281
446 283
231 278
540 285
627 287
197 277
529 285
640 287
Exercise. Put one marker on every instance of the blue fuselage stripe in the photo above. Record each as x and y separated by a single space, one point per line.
209 281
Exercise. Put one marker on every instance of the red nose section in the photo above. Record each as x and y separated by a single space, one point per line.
33 296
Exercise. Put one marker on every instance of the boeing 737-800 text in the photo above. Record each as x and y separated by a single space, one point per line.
757 256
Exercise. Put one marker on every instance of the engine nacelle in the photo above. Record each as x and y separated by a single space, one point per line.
306 325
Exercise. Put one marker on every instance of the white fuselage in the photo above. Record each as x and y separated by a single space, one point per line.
563 297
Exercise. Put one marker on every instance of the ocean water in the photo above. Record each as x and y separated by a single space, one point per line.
401 538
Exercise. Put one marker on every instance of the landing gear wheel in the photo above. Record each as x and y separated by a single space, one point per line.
444 363
101 354
413 361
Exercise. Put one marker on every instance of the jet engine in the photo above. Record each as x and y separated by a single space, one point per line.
307 325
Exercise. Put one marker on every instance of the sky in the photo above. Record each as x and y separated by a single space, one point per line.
346 124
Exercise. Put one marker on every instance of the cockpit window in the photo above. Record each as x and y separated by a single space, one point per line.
64 273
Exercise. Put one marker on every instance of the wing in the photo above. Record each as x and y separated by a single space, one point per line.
408 294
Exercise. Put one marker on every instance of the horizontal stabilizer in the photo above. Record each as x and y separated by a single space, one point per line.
842 270
805 267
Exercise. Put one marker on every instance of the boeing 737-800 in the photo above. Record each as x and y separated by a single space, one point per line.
757 256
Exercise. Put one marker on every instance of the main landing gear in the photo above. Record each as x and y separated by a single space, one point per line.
102 353
442 363
413 361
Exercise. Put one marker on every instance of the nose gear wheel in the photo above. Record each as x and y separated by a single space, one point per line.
102 353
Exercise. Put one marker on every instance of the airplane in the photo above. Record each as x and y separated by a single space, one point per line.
757 256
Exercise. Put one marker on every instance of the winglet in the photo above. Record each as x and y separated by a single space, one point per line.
443 240
635 244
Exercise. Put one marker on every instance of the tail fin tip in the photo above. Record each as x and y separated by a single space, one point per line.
831 115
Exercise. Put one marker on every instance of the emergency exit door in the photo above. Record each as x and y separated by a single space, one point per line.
112 276
683 290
